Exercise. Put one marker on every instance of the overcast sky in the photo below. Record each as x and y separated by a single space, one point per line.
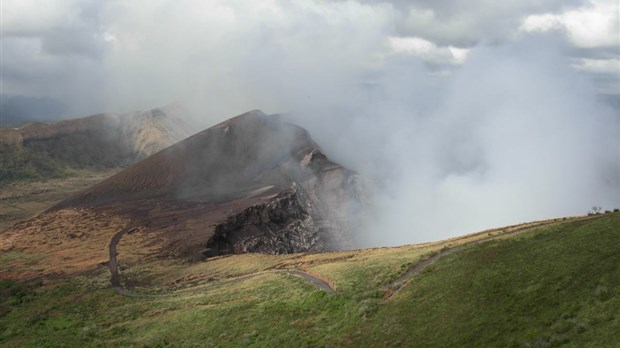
97 55
463 114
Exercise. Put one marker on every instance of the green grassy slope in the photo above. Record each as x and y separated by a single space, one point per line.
553 286
557 286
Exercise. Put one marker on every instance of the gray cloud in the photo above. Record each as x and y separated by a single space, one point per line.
63 28
54 50
120 46
73 80
70 43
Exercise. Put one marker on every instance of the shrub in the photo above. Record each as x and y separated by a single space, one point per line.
596 210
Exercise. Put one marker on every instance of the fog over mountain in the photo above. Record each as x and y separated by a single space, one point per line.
461 116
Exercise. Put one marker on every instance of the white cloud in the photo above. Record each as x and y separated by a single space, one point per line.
541 23
109 37
459 54
594 25
428 50
413 45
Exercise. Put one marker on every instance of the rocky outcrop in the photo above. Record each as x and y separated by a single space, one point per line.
318 213
280 226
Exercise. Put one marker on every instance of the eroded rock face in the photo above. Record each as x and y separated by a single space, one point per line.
279 226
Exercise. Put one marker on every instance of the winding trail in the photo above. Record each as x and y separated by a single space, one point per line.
321 284
402 281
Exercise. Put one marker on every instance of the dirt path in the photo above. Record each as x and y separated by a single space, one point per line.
116 278
319 283
113 262
402 281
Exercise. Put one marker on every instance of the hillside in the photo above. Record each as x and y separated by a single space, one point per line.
524 286
254 183
104 141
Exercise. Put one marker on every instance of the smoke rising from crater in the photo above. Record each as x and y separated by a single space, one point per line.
513 135
467 132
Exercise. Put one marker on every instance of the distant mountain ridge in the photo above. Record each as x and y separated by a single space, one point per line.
44 150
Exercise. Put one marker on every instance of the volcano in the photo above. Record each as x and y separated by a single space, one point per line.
254 183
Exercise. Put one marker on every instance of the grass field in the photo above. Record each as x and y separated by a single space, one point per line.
556 285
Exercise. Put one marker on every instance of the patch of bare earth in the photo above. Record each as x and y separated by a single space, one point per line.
63 242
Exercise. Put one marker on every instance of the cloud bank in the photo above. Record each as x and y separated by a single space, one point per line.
463 117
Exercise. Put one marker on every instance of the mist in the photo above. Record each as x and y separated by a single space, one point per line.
511 136
453 136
